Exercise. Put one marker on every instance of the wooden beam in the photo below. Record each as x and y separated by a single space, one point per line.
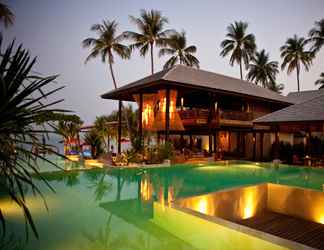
254 145
119 125
261 145
167 115
210 146
140 118
276 151
215 141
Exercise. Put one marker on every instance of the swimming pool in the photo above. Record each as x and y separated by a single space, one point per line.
113 209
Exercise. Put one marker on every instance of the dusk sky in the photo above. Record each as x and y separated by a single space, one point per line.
53 31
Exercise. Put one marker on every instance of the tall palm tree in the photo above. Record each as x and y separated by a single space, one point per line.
176 46
320 81
262 70
151 33
294 55
6 15
107 44
239 45
317 35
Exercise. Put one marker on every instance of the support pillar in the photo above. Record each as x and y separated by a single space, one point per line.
167 115
276 151
191 141
210 146
261 145
119 126
308 143
215 141
254 145
140 118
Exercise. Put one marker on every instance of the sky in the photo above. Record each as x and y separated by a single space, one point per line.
53 31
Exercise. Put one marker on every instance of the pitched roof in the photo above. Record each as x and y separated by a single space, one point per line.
308 111
299 97
190 77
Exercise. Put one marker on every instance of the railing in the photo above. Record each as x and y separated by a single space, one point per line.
236 115
200 116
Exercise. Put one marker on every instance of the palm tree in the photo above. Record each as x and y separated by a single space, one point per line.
93 139
6 15
262 70
294 54
240 45
69 130
176 46
276 87
151 32
320 81
107 44
317 35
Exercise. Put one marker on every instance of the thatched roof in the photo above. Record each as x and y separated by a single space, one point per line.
308 111
187 77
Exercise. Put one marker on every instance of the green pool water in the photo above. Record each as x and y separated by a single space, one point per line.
112 209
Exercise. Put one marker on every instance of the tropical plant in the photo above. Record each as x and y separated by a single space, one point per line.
320 81
93 139
107 44
105 132
24 121
294 55
176 47
69 129
316 35
6 15
239 45
262 70
151 32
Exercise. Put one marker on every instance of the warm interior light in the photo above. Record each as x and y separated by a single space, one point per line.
321 219
93 163
146 190
182 101
249 205
202 205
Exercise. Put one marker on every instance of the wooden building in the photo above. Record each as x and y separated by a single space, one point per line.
210 111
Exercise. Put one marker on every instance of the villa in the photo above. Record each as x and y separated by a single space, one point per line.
214 113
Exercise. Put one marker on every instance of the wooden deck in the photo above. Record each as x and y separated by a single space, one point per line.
287 227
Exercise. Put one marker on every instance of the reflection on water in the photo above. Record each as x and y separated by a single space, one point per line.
113 209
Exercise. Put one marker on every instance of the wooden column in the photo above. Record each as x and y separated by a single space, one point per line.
140 117
191 141
167 115
119 125
238 143
254 145
210 146
215 141
276 151
261 145
308 143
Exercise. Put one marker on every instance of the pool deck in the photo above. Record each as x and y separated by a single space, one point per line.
287 227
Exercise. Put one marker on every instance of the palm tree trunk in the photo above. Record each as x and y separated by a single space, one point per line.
115 84
298 85
112 71
241 69
152 63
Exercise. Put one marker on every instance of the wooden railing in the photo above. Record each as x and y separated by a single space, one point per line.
201 116
236 115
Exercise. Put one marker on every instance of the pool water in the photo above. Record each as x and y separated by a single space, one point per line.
112 209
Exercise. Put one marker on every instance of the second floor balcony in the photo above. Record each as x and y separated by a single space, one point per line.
200 117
